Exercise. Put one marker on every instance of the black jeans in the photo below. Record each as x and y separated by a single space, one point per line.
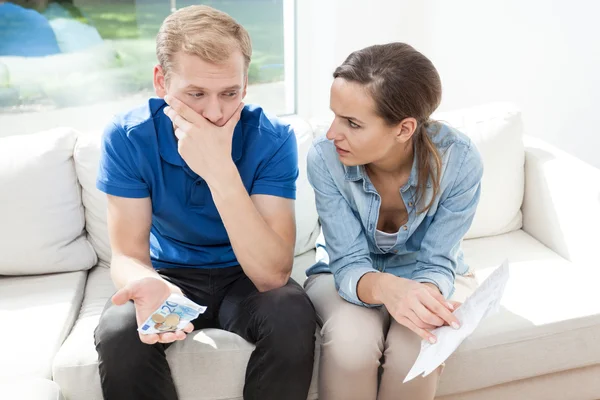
281 323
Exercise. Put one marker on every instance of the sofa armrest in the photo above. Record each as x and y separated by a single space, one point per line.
561 207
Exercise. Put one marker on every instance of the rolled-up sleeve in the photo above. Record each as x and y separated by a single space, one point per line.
347 250
438 257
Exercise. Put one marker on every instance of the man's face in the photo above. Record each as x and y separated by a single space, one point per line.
212 90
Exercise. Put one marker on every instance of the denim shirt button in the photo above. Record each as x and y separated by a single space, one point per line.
405 227
410 204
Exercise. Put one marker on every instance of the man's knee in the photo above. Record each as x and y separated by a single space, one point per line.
287 318
116 334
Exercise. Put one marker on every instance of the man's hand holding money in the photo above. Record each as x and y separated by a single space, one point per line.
148 294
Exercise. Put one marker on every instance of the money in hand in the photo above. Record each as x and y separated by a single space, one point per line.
173 314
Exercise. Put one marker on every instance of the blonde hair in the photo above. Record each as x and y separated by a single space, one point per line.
203 31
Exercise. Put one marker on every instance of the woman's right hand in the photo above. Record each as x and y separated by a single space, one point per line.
415 305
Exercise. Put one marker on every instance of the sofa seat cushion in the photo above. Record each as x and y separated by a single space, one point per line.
547 313
30 389
75 366
47 305
221 356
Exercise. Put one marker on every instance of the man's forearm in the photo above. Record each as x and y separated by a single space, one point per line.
125 269
265 257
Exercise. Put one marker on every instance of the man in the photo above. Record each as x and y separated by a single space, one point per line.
24 31
200 203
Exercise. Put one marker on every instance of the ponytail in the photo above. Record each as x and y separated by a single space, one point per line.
429 166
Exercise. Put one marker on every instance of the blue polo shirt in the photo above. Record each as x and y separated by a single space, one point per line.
140 159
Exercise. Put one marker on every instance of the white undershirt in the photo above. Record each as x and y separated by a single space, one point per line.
385 240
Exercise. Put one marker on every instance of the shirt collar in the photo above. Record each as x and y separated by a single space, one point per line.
358 172
167 142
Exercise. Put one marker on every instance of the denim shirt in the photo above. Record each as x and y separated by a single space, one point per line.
427 248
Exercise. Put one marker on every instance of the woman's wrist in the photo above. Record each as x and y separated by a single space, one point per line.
383 285
432 285
368 288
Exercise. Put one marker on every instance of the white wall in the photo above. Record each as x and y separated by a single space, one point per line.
329 30
544 55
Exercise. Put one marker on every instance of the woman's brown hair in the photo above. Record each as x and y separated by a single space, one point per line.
403 84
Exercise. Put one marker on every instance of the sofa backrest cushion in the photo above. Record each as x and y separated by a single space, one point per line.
41 214
87 157
497 130
307 219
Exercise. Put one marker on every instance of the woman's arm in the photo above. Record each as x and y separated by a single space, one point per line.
346 243
438 257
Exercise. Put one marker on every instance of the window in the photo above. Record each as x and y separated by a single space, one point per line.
74 59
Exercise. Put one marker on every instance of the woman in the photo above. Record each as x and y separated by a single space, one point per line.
396 193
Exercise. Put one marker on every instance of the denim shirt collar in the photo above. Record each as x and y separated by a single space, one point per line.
358 172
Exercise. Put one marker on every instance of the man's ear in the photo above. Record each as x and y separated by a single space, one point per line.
406 129
159 81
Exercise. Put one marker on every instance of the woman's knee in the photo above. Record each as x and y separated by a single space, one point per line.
402 347
352 335
350 344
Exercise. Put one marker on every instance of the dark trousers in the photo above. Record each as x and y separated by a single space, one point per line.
281 323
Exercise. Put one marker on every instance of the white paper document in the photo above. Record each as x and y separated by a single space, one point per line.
483 302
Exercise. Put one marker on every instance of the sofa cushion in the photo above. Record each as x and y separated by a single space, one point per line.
30 389
546 313
581 383
497 130
87 159
222 356
301 264
75 367
307 220
47 306
87 156
42 221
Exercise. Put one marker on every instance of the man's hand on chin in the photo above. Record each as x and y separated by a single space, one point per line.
205 147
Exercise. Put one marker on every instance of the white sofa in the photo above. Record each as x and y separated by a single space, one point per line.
540 208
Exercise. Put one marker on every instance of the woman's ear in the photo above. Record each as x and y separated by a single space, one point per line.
406 129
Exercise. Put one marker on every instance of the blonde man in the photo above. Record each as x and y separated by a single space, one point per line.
200 203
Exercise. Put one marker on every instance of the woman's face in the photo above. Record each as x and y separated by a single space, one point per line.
360 136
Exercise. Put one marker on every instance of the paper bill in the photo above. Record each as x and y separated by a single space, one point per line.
173 314
483 302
